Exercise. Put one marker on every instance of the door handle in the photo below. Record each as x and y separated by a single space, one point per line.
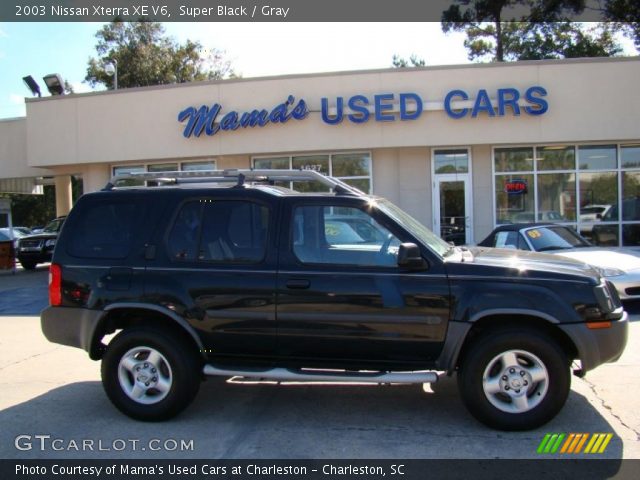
298 283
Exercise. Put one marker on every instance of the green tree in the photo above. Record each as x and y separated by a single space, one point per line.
414 61
145 55
488 23
626 15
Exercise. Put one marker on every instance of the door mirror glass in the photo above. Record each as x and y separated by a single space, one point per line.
409 257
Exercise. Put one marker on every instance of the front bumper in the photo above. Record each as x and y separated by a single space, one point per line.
70 326
599 346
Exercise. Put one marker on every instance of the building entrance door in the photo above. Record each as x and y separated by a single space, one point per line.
452 199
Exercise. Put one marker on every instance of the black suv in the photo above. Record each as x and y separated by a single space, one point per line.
255 280
38 248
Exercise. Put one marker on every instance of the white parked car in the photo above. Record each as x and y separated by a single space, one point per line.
621 266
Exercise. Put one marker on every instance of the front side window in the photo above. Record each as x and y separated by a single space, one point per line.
220 231
342 236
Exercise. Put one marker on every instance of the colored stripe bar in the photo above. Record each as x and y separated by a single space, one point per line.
582 441
594 437
550 443
605 443
570 438
555 447
543 443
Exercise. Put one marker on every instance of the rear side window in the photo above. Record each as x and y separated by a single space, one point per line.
219 231
103 230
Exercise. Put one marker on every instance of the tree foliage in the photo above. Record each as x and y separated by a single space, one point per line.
145 55
538 41
519 29
626 15
414 61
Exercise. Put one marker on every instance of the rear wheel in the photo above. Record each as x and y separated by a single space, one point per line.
150 374
514 379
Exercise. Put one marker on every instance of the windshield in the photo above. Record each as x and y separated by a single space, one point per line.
54 226
554 238
414 227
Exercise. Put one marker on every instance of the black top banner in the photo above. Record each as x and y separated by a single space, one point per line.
253 11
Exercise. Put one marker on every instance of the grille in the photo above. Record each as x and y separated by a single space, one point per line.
30 243
632 291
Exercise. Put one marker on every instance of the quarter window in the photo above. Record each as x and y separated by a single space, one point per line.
104 231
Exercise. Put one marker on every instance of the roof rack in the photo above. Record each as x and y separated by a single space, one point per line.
237 176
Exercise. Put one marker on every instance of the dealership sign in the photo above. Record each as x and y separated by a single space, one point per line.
384 107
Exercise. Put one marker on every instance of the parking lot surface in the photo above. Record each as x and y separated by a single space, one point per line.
52 406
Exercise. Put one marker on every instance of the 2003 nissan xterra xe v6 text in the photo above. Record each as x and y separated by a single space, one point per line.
230 273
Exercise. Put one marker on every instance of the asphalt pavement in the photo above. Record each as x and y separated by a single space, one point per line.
52 406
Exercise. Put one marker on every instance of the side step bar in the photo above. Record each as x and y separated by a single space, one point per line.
287 375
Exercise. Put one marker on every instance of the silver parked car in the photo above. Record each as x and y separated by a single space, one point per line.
621 266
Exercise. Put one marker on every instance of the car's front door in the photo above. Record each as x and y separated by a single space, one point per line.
341 294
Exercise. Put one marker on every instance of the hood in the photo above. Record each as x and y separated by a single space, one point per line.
623 259
531 264
39 236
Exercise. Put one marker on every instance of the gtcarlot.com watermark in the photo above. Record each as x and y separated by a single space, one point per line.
44 443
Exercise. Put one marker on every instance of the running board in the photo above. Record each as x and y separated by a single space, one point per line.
287 375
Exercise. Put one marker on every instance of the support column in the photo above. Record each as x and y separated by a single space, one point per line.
63 194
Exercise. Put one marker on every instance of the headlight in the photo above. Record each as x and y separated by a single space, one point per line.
609 272
51 242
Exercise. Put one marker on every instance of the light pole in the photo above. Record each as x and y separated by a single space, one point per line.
110 69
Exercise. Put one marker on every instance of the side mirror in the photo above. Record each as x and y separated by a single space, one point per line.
409 257
598 216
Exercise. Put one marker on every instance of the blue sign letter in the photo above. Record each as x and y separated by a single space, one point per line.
404 114
325 111
447 104
541 105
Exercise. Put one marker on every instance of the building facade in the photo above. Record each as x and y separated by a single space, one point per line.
461 148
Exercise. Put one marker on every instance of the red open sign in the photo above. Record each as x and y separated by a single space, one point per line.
515 187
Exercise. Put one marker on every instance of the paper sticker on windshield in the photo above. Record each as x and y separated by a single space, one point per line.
534 234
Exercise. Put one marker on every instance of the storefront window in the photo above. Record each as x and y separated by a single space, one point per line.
556 197
599 189
279 163
198 166
515 199
163 167
351 165
352 168
129 169
513 159
630 156
555 158
451 161
597 157
584 186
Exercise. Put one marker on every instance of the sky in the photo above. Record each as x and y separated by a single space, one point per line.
255 49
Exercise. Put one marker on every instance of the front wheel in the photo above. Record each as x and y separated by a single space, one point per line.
150 374
27 264
514 379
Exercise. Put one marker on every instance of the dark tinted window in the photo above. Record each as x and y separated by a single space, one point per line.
220 231
103 231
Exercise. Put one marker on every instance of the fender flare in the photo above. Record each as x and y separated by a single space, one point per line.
458 332
149 307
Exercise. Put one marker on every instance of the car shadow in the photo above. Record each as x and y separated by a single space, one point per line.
263 420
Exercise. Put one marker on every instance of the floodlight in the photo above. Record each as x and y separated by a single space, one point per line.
32 84
55 83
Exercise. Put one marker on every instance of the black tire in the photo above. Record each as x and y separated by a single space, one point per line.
529 406
27 265
179 362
